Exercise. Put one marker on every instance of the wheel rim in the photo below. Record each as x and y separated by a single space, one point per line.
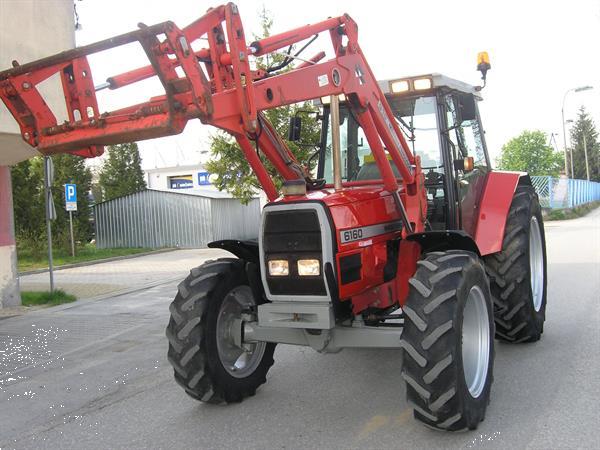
475 341
536 263
238 362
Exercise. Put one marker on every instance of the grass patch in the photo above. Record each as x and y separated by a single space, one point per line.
56 297
571 213
31 260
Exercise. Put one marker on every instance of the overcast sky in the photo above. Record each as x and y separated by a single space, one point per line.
538 50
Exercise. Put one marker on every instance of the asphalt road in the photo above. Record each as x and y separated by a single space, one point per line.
95 375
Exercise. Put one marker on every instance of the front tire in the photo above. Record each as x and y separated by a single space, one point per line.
518 272
448 341
206 361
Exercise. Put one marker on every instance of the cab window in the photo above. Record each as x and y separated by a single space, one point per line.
417 120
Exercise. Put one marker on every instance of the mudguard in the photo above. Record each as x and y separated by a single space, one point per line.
431 241
493 209
246 250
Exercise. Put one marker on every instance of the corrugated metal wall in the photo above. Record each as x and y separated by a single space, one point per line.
157 219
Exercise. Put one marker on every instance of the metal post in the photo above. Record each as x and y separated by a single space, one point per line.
570 196
572 169
335 142
562 111
577 89
587 166
71 229
47 183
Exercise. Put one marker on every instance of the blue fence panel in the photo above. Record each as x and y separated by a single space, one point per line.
558 193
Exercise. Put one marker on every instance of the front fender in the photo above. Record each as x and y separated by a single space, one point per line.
495 202
246 250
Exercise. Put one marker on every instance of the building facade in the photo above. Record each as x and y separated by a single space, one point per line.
180 178
29 30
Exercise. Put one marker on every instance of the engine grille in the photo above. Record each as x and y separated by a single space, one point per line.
293 235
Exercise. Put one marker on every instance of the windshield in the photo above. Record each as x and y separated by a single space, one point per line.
417 120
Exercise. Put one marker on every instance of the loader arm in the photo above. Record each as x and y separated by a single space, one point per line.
216 85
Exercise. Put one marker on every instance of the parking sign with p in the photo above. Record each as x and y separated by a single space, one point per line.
71 197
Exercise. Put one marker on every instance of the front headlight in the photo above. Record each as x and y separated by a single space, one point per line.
279 268
308 267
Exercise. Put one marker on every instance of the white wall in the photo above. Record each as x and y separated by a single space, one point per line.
159 179
29 30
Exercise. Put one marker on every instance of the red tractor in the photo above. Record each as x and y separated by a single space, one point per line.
404 238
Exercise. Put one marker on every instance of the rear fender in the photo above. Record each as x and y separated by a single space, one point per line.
432 241
497 196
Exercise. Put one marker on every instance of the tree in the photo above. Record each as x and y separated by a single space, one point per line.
71 169
228 163
584 126
29 201
122 172
530 152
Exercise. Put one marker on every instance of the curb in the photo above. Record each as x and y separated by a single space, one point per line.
84 301
117 293
97 261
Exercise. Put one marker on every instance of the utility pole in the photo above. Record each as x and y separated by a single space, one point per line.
562 111
578 89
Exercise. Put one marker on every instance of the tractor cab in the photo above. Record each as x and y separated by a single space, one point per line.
440 121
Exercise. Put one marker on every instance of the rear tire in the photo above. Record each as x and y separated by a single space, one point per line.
201 349
518 273
448 341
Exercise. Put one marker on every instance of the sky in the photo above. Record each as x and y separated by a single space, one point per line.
538 50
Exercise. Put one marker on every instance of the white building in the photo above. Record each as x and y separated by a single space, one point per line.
180 178
29 30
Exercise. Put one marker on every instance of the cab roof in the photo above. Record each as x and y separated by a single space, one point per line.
437 81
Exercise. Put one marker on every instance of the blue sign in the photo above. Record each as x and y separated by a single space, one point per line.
71 197
181 182
203 178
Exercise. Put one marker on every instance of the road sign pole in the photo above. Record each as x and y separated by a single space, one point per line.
71 229
47 183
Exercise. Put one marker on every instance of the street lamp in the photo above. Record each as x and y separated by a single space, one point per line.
577 89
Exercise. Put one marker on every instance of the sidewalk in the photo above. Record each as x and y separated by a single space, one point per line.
115 276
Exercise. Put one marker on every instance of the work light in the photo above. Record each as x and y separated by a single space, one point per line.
400 86
422 84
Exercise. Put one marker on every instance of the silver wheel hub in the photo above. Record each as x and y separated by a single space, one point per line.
475 341
239 362
536 264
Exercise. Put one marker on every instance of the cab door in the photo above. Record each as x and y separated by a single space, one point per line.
467 135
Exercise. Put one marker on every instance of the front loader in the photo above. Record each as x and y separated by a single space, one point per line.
403 238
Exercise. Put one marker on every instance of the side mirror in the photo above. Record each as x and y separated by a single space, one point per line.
295 128
467 109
